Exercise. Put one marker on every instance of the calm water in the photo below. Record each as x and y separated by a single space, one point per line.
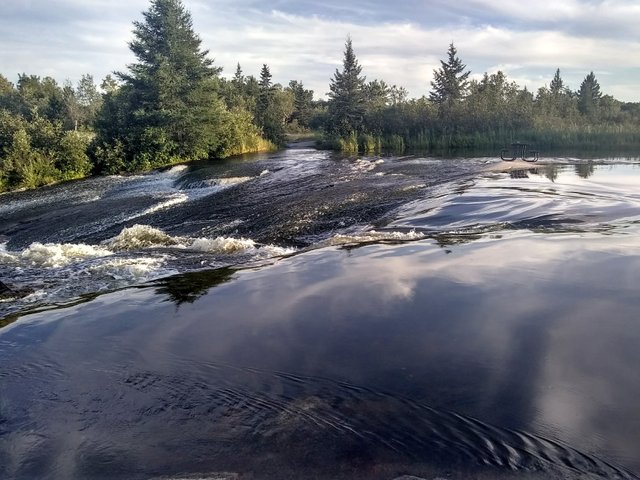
383 317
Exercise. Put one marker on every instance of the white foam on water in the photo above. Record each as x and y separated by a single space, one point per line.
171 201
414 187
143 236
60 272
268 251
137 269
232 181
225 245
178 169
229 245
201 188
364 165
52 255
374 236
264 172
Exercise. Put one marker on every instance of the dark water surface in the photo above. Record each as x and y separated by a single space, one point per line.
408 316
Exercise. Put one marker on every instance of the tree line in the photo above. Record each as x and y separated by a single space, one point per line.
172 105
460 112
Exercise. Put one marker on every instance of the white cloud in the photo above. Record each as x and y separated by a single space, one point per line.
67 38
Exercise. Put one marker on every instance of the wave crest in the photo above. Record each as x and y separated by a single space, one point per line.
142 236
375 236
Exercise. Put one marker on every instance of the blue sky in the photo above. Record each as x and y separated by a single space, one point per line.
400 42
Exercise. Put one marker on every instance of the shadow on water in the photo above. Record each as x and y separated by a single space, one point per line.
179 289
188 287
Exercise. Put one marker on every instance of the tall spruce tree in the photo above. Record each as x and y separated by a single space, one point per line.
265 94
449 83
170 93
238 77
589 95
557 85
347 97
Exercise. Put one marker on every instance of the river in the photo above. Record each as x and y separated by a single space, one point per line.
308 315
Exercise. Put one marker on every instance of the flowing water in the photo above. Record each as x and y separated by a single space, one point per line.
307 315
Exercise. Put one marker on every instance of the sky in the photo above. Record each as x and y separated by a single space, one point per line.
400 42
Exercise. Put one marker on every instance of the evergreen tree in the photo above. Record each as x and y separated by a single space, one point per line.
589 95
450 80
265 78
265 94
43 98
170 93
302 104
557 85
238 77
264 107
347 97
88 98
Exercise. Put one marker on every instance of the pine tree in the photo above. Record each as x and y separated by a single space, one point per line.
346 98
450 80
270 114
265 78
302 104
557 85
170 92
238 77
265 94
589 95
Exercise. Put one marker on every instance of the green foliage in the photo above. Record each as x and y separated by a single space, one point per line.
347 97
394 143
303 107
273 107
369 144
589 95
556 87
154 150
167 108
348 144
265 94
242 136
450 80
72 160
489 113
109 157
172 105
24 166
89 100
38 152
